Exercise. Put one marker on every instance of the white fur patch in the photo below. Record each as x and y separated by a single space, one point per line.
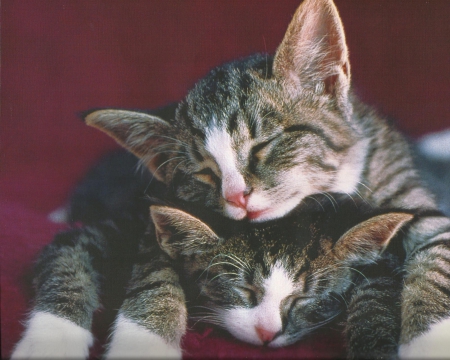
218 144
434 344
48 336
132 341
436 145
242 322
349 174
270 209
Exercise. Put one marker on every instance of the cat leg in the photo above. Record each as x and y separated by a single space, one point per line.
372 329
426 294
49 336
152 319
67 293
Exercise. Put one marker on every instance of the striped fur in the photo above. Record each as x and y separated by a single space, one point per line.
293 129
275 283
296 130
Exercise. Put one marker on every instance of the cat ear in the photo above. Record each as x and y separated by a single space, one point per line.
179 233
366 241
140 133
313 53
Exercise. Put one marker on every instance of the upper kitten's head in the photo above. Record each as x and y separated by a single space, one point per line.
255 137
275 282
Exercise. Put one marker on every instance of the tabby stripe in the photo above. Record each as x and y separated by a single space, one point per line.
193 129
389 179
232 123
306 266
318 161
368 297
427 213
318 132
441 272
445 243
403 190
441 288
149 287
196 152
149 271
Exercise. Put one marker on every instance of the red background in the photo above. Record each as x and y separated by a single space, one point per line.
60 57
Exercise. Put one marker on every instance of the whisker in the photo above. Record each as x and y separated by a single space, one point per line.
317 201
165 162
331 198
359 182
222 274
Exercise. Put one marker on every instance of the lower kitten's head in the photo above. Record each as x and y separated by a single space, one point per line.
276 282
255 137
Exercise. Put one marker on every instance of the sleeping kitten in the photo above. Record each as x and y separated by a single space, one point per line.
275 283
270 284
254 139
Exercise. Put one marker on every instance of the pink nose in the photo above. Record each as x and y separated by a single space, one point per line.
238 199
264 335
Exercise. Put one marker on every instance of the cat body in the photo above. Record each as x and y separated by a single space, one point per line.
276 282
271 283
251 141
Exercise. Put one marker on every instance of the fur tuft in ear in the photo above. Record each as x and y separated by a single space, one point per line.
313 54
179 233
366 241
140 133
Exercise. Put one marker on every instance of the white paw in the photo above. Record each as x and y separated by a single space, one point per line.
434 344
48 336
130 340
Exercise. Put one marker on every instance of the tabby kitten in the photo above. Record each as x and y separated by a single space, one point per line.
255 138
274 283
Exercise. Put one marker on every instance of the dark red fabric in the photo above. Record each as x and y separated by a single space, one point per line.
60 57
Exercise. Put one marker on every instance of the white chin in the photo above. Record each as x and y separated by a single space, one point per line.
274 214
234 212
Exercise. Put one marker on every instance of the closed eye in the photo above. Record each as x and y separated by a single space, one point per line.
258 152
249 295
207 175
295 301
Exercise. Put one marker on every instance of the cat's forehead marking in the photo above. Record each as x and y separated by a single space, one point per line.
277 286
219 144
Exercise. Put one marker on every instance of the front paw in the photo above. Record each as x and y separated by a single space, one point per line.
434 344
132 341
48 336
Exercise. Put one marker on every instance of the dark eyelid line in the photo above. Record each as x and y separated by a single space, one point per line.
209 172
262 145
205 171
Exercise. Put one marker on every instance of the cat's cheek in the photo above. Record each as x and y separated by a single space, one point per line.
260 211
434 344
51 337
240 323
281 341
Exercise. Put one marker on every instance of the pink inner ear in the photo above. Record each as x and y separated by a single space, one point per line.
314 48
370 237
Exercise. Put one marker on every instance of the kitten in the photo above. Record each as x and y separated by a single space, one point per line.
255 138
274 283
270 283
